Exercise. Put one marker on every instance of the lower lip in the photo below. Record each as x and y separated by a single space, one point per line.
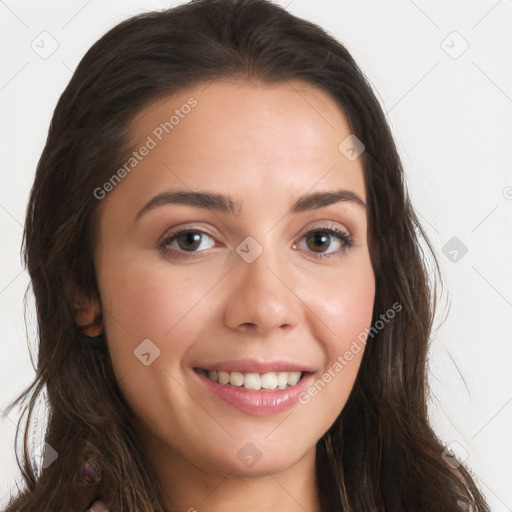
258 403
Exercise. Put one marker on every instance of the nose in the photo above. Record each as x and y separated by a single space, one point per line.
262 296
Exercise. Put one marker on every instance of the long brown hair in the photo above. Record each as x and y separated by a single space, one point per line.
381 453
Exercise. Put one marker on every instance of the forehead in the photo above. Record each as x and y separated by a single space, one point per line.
227 111
257 140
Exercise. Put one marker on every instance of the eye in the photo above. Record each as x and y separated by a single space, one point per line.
186 242
182 241
320 240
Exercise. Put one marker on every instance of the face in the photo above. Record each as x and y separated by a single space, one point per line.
257 284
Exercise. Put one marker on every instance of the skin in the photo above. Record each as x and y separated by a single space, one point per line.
265 146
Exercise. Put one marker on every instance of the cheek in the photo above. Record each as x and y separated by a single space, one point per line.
345 304
143 302
346 312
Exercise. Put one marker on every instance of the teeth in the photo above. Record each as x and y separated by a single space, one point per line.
252 381
282 380
222 377
255 381
269 380
236 379
293 378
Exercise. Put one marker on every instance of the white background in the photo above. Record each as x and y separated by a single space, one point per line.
452 120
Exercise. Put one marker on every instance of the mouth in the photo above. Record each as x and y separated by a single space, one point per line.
255 386
268 381
258 394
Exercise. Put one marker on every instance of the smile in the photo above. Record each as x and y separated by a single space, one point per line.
267 381
266 393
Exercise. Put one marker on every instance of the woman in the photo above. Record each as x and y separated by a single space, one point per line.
258 371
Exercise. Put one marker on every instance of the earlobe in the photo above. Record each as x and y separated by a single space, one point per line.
87 315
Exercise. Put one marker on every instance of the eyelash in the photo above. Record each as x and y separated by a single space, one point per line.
331 230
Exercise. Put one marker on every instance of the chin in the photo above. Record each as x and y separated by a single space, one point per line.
251 461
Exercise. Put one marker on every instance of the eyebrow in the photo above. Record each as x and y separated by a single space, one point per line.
225 204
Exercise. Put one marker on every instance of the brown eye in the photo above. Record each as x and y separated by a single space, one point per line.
327 242
185 242
189 240
318 239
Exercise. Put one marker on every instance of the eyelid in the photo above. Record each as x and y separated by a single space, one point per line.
326 224
187 227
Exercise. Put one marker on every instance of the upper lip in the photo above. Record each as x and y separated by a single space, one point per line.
255 366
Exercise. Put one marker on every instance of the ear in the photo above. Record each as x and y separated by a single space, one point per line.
86 307
87 314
